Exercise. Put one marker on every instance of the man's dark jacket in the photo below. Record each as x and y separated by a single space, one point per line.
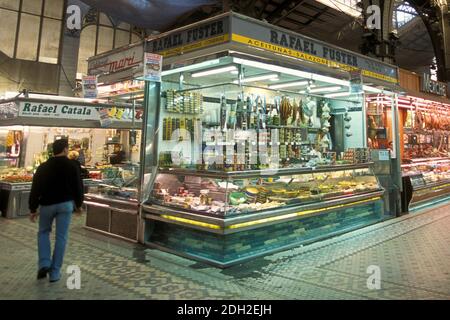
55 181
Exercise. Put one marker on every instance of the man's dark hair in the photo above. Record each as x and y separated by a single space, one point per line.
59 146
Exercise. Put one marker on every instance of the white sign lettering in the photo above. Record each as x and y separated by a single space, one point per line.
74 112
431 86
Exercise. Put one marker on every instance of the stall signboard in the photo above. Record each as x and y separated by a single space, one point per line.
199 36
116 61
153 67
30 109
430 86
8 110
237 29
89 84
264 36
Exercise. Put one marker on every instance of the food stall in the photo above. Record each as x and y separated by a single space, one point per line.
424 129
30 123
255 141
113 208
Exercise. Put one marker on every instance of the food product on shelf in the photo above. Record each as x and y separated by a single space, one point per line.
252 191
18 178
237 198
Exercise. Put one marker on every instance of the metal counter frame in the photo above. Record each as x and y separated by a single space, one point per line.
113 217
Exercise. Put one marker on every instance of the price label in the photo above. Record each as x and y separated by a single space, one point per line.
383 155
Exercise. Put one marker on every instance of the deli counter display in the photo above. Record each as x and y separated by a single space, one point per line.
15 188
112 204
426 181
425 127
234 194
224 218
249 167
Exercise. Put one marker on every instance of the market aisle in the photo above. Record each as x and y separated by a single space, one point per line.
412 252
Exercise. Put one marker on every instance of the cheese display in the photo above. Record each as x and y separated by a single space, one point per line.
240 196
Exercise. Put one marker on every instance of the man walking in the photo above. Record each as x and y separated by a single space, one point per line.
58 190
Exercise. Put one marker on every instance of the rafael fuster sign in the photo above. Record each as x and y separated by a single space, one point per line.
238 29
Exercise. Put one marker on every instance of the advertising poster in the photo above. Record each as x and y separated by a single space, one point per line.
153 67
89 87
105 119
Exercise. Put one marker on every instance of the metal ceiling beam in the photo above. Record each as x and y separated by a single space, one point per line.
317 15
302 14
293 21
283 10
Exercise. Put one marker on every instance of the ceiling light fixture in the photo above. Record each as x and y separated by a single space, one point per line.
293 72
325 89
200 65
213 71
339 94
271 76
289 84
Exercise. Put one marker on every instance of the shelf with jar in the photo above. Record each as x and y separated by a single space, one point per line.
291 125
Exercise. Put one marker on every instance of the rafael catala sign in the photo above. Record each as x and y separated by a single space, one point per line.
431 86
74 112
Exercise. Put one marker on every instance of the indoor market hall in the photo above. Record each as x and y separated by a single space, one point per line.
261 151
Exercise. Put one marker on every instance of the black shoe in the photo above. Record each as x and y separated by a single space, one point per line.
54 280
42 273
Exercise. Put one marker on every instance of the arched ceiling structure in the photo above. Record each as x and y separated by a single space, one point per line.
309 17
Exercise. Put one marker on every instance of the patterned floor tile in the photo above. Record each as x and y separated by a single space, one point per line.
412 252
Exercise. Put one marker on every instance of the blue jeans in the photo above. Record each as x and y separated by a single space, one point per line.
62 213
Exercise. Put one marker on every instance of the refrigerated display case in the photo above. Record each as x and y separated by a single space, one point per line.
112 204
227 217
426 182
239 193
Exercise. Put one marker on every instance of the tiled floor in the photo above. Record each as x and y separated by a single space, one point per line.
412 252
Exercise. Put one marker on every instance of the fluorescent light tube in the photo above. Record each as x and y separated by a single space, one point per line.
259 78
293 72
339 94
213 71
325 89
191 67
289 84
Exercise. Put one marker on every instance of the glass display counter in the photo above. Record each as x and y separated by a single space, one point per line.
426 182
112 202
241 193
224 218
